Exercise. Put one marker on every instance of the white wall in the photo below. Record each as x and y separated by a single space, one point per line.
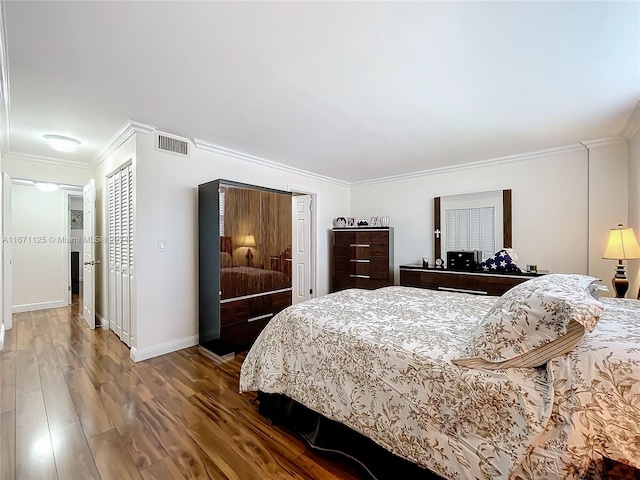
45 171
608 204
40 261
125 153
166 208
2 251
550 207
633 269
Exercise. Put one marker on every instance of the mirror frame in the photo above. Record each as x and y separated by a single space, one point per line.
507 238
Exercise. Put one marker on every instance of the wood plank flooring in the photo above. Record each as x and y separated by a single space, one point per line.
74 406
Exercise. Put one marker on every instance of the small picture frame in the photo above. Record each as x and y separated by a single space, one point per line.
76 219
351 221
374 222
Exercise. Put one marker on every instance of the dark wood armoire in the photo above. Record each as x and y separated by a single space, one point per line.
244 240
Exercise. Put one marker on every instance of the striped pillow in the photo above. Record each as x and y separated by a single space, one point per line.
535 321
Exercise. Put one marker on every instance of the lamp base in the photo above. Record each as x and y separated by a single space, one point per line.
249 257
620 282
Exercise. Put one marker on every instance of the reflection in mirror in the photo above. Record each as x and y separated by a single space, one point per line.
474 221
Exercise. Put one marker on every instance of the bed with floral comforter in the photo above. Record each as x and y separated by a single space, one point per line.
380 362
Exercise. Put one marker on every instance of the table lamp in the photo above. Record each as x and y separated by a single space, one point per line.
249 241
622 245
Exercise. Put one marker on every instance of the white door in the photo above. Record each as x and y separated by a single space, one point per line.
120 208
89 261
7 231
301 251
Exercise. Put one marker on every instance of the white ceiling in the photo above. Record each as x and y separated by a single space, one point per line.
350 90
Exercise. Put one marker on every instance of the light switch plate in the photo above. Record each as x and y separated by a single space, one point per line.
162 246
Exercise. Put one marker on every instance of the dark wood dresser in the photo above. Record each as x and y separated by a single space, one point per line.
466 282
362 258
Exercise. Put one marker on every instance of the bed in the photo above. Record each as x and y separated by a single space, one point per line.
380 362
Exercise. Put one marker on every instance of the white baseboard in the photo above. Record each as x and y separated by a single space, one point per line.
30 307
162 348
103 323
2 336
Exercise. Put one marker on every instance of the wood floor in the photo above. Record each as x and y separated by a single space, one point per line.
74 406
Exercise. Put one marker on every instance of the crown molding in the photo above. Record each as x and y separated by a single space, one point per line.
229 152
5 118
633 124
481 163
40 159
604 142
129 128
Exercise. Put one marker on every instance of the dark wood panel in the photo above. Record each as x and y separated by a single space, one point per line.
240 311
490 284
506 219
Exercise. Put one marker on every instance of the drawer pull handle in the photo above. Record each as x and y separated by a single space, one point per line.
363 245
462 290
359 276
261 317
360 260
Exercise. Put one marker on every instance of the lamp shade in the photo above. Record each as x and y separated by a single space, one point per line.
622 244
250 241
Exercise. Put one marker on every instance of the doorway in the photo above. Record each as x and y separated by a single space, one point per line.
76 247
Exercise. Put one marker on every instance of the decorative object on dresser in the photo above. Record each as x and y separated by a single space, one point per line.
362 258
622 245
480 283
244 278
463 260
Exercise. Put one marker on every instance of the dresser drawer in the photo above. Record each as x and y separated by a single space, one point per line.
479 283
254 309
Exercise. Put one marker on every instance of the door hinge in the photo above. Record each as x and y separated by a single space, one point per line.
311 291
69 287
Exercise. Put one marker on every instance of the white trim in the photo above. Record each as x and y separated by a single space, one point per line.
50 160
604 142
481 163
129 128
5 110
2 336
229 152
103 323
31 307
633 124
162 348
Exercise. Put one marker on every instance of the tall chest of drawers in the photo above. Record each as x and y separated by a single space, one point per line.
362 258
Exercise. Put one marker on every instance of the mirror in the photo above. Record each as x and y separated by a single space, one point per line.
486 206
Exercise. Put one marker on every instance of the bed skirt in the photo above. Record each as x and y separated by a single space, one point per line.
326 435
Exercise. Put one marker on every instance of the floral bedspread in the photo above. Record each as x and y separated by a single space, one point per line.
379 362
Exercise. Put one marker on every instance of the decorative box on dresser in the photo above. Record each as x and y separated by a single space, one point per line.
244 240
480 283
362 258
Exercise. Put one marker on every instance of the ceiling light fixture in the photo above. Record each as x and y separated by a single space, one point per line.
47 187
61 143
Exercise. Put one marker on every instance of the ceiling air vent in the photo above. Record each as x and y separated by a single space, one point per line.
172 144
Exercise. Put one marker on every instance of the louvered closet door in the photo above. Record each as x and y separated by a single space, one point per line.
111 192
120 194
126 228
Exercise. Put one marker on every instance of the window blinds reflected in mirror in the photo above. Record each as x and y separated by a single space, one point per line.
471 229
